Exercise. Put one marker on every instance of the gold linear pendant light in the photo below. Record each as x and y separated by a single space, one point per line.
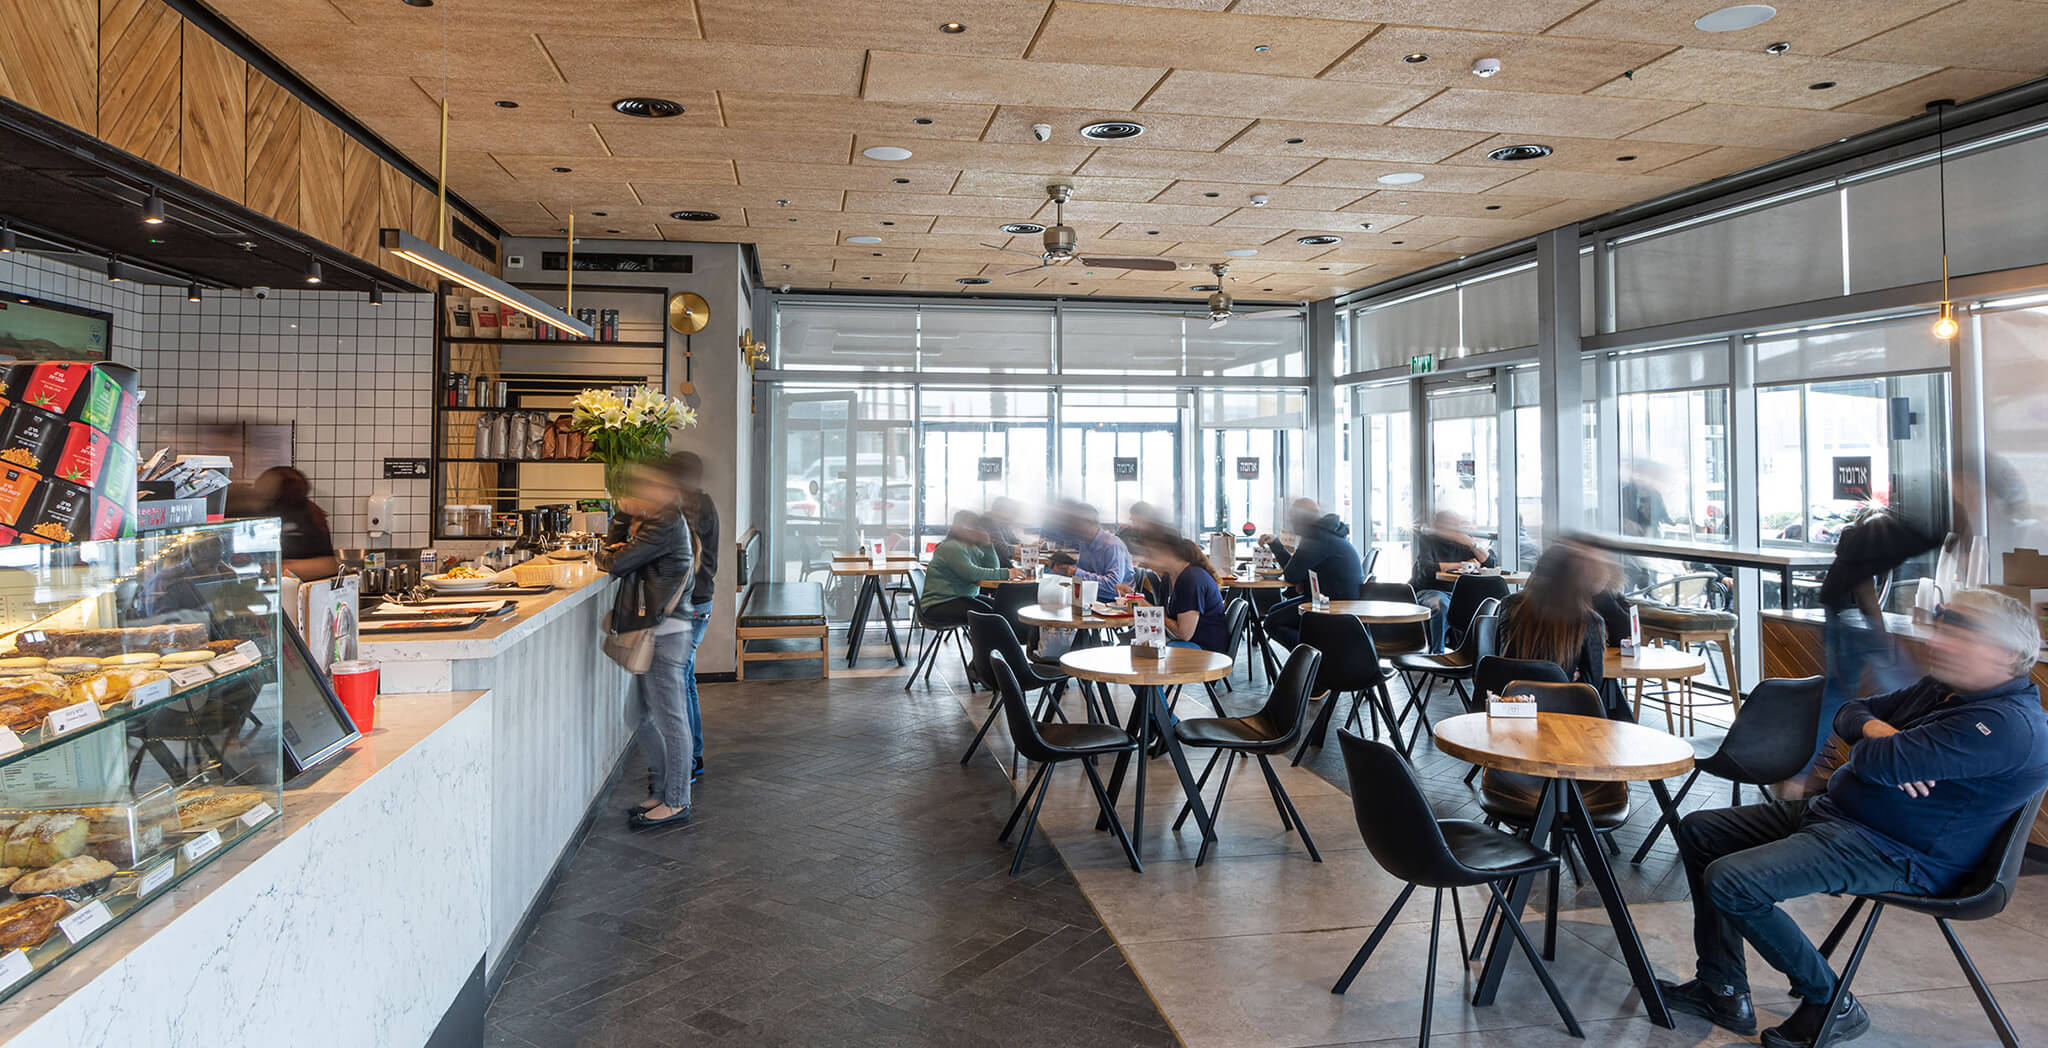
436 258
1945 327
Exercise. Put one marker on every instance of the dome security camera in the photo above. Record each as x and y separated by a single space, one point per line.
1042 132
1486 67
1260 200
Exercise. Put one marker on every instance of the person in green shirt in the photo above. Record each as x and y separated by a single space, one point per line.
952 581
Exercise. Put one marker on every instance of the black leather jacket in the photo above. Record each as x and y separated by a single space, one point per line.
654 563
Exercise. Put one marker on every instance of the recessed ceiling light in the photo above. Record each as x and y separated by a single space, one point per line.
971 280
694 216
419 3
1151 232
1398 243
651 108
1212 195
1263 289
874 254
1296 141
888 223
1023 228
1242 252
1525 151
600 214
863 240
951 27
505 103
563 170
1625 158
1112 130
1262 48
1400 178
1205 287
1323 269
1731 19
899 181
1319 240
1820 85
614 231
1415 58
921 121
1778 48
886 153
1493 207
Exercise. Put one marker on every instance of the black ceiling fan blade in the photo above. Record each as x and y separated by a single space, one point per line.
1162 265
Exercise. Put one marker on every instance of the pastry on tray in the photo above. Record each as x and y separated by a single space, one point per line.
45 840
73 664
222 647
30 921
102 642
132 658
208 809
24 713
187 658
79 877
23 664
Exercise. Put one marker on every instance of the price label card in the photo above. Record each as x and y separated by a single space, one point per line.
1149 626
9 742
71 718
201 846
254 817
191 675
155 691
14 968
229 663
248 650
149 883
89 919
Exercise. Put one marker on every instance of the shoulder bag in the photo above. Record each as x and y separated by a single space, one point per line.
634 649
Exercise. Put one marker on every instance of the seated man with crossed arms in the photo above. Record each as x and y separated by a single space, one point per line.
1936 771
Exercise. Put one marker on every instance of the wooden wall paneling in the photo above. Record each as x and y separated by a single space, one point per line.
320 179
394 211
214 136
141 80
359 199
50 59
271 171
424 206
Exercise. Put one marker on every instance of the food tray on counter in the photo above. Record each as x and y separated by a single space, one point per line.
371 626
423 609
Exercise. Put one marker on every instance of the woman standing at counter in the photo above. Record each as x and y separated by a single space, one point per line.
649 548
702 516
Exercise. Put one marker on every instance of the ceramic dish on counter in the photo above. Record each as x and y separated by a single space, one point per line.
448 582
566 554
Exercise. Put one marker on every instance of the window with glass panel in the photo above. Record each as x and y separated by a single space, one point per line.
1385 471
1672 415
1464 451
975 445
1103 430
1253 444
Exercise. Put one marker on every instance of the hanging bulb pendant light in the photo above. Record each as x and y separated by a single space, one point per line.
1945 326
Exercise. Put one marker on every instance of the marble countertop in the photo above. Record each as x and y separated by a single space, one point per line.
581 582
403 721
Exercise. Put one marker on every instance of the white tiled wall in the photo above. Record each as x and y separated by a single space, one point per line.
353 379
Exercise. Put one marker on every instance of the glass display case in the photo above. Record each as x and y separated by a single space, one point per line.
140 725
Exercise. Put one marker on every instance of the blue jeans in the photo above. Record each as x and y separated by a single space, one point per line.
1853 648
1742 862
665 733
699 618
1439 604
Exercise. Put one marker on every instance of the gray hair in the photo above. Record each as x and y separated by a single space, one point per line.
2003 621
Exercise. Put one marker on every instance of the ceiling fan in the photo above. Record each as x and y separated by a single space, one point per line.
1060 242
1219 310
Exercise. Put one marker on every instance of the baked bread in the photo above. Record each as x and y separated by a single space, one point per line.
215 809
77 872
45 840
222 647
132 658
169 636
23 663
21 714
94 689
30 921
73 664
186 658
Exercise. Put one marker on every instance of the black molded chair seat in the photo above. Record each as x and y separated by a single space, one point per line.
1250 734
783 604
1490 855
1666 616
1275 728
1446 664
1607 805
992 640
1774 735
1084 743
1077 740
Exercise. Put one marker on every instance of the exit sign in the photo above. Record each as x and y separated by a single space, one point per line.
1422 365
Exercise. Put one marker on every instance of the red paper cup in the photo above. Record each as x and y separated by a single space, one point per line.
355 683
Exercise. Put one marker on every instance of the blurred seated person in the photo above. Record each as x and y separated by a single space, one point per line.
1444 546
1146 580
1195 616
1099 556
304 541
1144 522
1323 546
1935 771
964 560
1553 619
1003 530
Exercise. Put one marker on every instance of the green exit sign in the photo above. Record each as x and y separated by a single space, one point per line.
1422 365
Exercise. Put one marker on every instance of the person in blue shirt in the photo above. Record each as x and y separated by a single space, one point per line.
1195 616
1098 554
1936 770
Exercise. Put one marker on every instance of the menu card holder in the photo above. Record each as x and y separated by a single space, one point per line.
1148 631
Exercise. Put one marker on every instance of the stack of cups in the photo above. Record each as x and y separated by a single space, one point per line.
355 684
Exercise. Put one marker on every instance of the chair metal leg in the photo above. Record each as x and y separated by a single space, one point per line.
1458 915
1201 781
1992 1012
924 650
1841 928
1668 818
1116 825
1550 907
1215 811
1827 1025
1379 932
1436 923
1564 1010
1024 841
986 723
1470 775
1018 812
1288 812
1318 730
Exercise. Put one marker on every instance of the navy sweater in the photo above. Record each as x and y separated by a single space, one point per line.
1987 754
1325 549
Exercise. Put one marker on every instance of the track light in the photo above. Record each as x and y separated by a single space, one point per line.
153 209
117 271
6 241
192 293
313 271
376 294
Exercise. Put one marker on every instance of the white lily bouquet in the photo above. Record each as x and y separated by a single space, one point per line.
629 428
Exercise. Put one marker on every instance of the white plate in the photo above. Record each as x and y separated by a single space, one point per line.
444 584
566 554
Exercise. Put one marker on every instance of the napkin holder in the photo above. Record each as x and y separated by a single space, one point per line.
1154 652
1520 708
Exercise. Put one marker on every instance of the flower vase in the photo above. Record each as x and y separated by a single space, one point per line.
617 474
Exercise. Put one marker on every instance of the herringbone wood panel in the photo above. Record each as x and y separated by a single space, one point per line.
213 142
275 119
140 78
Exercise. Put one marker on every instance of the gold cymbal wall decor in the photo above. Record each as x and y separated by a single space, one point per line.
688 313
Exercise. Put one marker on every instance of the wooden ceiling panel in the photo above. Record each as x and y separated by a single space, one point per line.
1754 78
478 104
1588 185
1715 162
1439 178
1812 27
1471 109
885 224
1910 99
1985 34
651 138
1215 167
1164 234
769 175
1521 16
896 76
652 65
1152 214
1601 155
1490 204
1012 124
997 210
1093 188
581 195
1213 248
1565 212
1107 34
1353 141
1281 98
665 17
528 167
1554 64
704 196
1759 127
765 238
515 59
799 113
1044 159
1275 218
995 28
1448 226
1320 198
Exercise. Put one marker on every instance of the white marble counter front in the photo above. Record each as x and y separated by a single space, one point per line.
355 918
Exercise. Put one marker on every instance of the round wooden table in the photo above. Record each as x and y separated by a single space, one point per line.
1064 618
1147 677
1565 750
1674 667
1258 583
871 575
1384 612
1513 578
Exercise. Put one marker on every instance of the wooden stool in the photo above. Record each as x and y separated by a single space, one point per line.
1683 628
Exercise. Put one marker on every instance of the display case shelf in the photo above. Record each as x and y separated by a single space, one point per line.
38 739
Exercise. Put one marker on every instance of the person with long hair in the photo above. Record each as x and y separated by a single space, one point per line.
702 517
1553 618
649 551
1195 616
303 539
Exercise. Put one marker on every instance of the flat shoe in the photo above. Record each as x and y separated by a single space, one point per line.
642 822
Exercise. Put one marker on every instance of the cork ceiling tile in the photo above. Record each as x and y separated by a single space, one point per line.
1438 178
1452 226
1013 124
1316 221
1604 155
1521 16
474 102
558 137
1459 247
997 209
855 285
667 17
789 112
994 28
1217 167
1281 98
1107 34
768 174
1491 204
983 227
1587 185
541 167
1754 78
1047 159
1421 251
1467 109
1565 212
1759 127
699 196
1910 99
1556 64
622 231
516 59
649 65
653 138
864 224
1983 34
766 238
1321 198
1086 187
1212 248
1139 231
1081 210
1718 161
1353 141
1812 27
896 76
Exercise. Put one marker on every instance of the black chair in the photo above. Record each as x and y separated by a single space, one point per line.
1493 674
1983 896
1274 729
1395 638
935 637
1366 563
1010 598
1350 665
1773 737
1410 842
1457 665
1467 595
1050 744
991 639
1237 618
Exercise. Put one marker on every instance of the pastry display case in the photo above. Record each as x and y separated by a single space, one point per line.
140 725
